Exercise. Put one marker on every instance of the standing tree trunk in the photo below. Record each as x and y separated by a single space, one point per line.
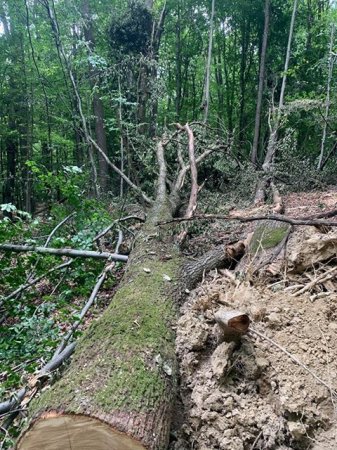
178 48
11 152
261 82
208 66
277 119
331 59
97 103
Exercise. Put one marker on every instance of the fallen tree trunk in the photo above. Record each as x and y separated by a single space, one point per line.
119 390
265 246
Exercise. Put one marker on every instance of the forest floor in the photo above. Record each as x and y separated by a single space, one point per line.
252 395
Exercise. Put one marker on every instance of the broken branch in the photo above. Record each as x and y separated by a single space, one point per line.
85 309
280 218
120 173
63 252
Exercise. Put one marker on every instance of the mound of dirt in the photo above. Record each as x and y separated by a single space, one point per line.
250 395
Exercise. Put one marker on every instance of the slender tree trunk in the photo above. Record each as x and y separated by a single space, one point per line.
278 115
261 82
11 138
220 83
120 121
50 8
327 100
178 64
48 153
208 65
97 103
11 154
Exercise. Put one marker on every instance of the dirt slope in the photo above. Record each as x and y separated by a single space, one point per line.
251 395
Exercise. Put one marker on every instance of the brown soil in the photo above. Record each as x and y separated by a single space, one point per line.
250 395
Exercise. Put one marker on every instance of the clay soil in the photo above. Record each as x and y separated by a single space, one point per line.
249 394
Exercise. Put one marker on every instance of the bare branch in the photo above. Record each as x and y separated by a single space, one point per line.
119 241
192 204
108 228
293 358
85 309
59 225
63 252
161 189
120 173
36 280
279 218
277 200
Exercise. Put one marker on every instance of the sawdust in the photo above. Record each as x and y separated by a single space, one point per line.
251 395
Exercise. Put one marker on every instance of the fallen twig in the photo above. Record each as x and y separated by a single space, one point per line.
53 364
108 228
320 279
59 225
51 234
293 358
119 241
36 280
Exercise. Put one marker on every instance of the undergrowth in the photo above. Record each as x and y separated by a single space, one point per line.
33 323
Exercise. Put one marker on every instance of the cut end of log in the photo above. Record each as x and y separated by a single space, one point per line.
233 323
71 432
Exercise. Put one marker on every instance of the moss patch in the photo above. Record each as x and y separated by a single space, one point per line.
267 236
114 365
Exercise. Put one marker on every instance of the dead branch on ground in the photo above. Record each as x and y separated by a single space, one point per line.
25 286
85 309
280 218
252 331
63 252
325 276
108 228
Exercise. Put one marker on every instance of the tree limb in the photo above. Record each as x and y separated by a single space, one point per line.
161 189
279 218
108 228
142 194
25 286
85 309
63 252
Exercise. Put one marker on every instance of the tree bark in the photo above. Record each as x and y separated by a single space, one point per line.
208 65
63 252
261 82
331 59
121 383
271 150
119 390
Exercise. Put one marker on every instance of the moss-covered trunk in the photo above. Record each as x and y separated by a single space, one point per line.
123 373
266 245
